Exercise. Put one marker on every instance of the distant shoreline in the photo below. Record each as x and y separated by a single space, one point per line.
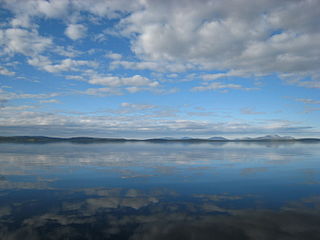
44 139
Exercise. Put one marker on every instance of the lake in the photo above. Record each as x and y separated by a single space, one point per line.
226 190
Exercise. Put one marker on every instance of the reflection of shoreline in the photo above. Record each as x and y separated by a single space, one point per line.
88 140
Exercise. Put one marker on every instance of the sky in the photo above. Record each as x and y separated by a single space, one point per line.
160 68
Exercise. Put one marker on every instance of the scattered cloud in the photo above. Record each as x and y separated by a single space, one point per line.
114 56
123 47
49 101
250 111
221 86
137 106
102 92
22 41
217 35
233 73
301 81
158 66
311 109
115 81
6 72
307 101
76 31
65 65
157 123
6 95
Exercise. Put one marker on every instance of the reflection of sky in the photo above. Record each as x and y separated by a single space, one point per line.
56 187
157 163
118 213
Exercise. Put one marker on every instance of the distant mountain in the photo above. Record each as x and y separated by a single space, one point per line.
172 138
275 137
186 138
166 138
43 139
218 139
268 138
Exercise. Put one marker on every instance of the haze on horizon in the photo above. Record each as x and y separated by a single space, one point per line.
155 68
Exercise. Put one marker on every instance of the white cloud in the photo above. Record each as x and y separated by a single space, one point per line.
6 95
16 108
253 36
24 10
109 9
127 124
309 84
67 64
102 92
75 31
115 81
159 66
4 71
249 111
137 106
308 101
75 77
28 43
134 89
232 73
262 37
63 8
67 51
310 109
53 8
221 86
49 101
114 56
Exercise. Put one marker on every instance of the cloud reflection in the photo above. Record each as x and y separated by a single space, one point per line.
135 214
139 191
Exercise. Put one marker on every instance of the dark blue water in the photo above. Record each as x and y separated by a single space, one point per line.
160 191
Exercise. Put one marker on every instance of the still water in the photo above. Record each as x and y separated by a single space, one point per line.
159 191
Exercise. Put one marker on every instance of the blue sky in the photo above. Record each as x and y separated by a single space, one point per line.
123 68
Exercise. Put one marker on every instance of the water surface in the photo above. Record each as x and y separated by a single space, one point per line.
160 191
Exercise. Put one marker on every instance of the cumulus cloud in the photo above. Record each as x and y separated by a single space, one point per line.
230 40
24 10
159 66
115 81
67 64
22 41
75 31
259 37
253 36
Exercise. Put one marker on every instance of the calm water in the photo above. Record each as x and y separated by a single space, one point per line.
160 191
